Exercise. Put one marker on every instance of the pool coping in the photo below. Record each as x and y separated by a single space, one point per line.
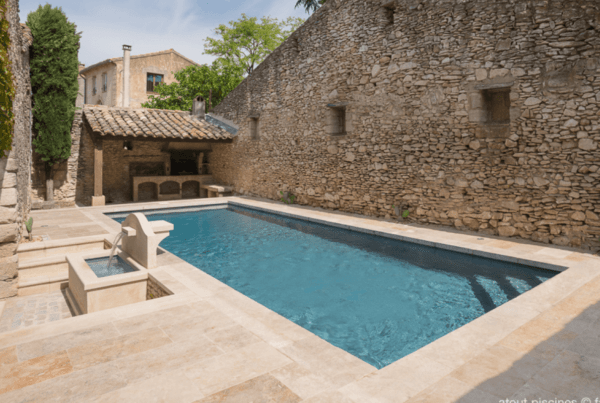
406 377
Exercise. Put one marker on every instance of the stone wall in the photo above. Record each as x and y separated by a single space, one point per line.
15 169
65 173
155 289
482 116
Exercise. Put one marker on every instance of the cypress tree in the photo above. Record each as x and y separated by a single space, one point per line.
54 70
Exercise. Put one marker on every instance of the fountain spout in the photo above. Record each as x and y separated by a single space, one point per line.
142 238
118 238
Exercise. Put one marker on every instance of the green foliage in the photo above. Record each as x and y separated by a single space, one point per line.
193 81
54 71
247 42
7 90
405 214
310 5
29 225
287 199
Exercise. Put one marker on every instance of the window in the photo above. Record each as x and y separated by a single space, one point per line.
389 9
104 82
254 128
94 89
338 120
497 105
127 145
154 80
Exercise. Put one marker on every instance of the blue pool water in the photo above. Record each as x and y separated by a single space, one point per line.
100 266
377 298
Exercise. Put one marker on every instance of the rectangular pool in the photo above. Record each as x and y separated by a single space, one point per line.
379 299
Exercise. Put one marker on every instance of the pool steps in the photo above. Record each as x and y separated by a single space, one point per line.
43 266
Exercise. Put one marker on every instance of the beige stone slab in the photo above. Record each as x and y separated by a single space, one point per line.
172 387
36 370
329 397
197 323
328 361
232 338
111 349
216 374
301 381
65 341
161 317
78 386
167 358
8 356
264 389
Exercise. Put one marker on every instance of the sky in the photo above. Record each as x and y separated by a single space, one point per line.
155 25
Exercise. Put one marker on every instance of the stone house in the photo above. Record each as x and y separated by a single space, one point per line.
15 168
483 116
103 81
135 154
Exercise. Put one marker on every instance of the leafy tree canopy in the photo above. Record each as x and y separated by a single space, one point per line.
194 81
310 5
54 70
247 41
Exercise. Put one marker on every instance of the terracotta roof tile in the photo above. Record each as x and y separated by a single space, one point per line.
156 123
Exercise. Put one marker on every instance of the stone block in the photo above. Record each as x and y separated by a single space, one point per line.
98 201
494 73
9 232
8 215
9 180
507 230
477 116
587 144
481 74
8 197
8 249
9 267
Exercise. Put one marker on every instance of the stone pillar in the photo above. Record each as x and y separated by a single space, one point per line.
50 189
98 198
126 54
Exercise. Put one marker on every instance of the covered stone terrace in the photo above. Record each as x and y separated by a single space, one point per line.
148 154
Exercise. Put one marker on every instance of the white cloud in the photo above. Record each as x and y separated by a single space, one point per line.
155 25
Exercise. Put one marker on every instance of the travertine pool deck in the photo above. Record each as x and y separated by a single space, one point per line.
209 343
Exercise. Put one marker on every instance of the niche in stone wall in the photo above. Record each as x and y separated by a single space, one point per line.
336 119
254 128
389 9
497 105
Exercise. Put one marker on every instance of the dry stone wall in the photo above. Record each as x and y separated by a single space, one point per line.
481 115
15 169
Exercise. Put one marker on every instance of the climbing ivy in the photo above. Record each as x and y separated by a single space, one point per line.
7 90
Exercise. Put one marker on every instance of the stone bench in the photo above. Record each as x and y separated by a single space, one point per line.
217 190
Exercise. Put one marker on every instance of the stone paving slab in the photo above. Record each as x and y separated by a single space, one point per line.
209 343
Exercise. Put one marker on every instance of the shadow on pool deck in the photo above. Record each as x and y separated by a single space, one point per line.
555 356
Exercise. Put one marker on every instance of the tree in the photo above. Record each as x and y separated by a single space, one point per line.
247 42
194 81
7 90
54 70
310 5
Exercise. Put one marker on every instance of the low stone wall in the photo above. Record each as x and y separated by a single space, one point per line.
155 290
482 123
15 169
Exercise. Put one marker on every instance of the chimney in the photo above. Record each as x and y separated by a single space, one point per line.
126 53
199 108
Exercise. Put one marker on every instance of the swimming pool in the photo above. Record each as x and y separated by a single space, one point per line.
377 298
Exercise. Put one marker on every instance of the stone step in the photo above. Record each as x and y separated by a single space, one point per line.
43 266
42 284
37 250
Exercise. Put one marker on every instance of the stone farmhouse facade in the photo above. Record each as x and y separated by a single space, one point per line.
15 168
483 116
103 81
